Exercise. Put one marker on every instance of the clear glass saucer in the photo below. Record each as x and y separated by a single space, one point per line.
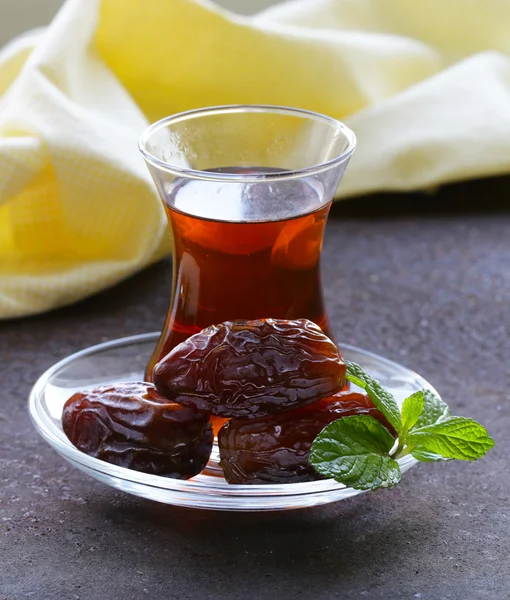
124 360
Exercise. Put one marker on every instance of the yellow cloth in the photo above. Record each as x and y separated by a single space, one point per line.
425 85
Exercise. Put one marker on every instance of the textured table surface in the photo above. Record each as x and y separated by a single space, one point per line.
429 290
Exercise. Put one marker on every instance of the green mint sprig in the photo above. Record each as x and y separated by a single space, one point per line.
361 453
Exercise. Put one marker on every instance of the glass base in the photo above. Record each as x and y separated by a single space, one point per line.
125 360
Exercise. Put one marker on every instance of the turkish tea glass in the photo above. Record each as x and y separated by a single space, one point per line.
247 190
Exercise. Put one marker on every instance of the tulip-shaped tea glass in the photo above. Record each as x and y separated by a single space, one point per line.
247 190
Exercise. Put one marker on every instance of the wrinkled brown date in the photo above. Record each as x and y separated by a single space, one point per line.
131 425
250 369
276 449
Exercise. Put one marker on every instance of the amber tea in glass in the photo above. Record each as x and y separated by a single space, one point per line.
247 190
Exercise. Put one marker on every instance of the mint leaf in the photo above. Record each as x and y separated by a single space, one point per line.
433 410
354 451
411 411
383 400
451 437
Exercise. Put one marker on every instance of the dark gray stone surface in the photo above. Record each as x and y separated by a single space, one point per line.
432 292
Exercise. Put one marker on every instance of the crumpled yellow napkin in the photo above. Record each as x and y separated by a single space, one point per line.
425 85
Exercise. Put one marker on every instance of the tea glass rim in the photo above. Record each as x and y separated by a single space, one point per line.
341 129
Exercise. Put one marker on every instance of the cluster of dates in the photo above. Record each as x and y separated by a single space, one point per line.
278 382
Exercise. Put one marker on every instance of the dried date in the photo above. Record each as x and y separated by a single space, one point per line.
131 425
276 449
250 369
